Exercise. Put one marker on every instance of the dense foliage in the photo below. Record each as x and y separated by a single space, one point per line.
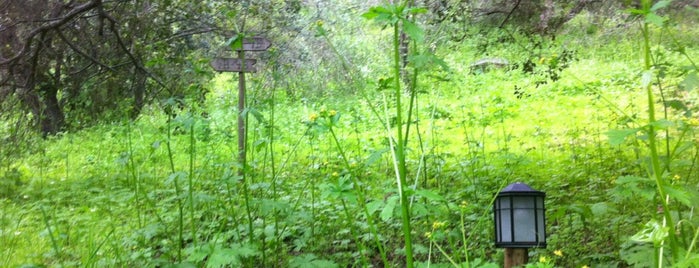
376 135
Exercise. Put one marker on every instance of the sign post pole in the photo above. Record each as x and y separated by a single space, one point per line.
242 133
241 65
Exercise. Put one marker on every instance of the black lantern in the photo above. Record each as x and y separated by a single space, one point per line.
519 217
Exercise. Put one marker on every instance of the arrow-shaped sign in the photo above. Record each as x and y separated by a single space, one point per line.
256 44
233 65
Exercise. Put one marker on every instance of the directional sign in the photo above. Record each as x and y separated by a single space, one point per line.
256 44
233 65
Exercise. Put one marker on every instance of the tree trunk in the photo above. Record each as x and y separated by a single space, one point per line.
52 117
139 90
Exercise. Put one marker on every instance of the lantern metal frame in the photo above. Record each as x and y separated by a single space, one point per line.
509 209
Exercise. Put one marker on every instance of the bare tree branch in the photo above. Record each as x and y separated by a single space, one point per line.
53 25
82 53
134 60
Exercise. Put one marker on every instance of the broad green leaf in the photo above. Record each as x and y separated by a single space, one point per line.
677 105
663 124
424 61
376 156
183 265
690 82
374 206
413 31
635 11
631 179
371 14
235 42
655 19
378 13
678 193
231 14
387 212
617 136
198 254
429 195
417 10
310 261
652 232
601 209
660 5
223 257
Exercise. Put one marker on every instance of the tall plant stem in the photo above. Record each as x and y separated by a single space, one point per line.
134 175
180 226
400 150
353 230
361 200
48 228
190 190
656 172
273 166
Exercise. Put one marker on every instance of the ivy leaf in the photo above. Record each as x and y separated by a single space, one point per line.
413 31
617 136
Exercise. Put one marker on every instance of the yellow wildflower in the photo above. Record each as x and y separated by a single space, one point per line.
428 234
585 266
313 117
543 259
332 112
319 23
558 253
438 224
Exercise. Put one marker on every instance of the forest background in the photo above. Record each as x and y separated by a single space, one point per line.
377 133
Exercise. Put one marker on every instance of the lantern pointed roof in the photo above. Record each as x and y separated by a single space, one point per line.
518 187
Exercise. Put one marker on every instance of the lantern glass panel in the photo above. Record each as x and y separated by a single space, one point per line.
504 202
525 229
505 225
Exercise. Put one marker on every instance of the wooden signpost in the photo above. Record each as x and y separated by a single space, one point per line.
236 65
233 65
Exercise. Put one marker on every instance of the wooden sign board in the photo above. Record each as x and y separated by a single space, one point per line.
233 65
256 44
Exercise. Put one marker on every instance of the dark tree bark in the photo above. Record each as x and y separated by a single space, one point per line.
52 117
139 91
